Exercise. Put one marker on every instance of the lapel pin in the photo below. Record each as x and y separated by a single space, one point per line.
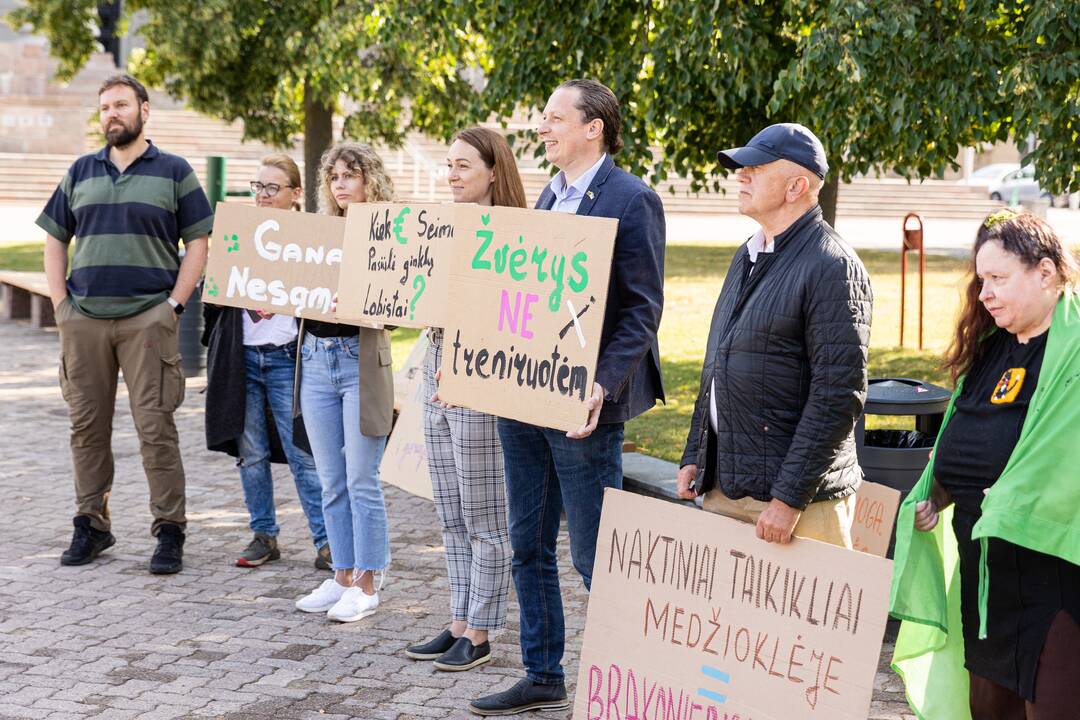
589 194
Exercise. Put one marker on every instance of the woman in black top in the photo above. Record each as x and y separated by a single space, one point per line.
1028 665
347 397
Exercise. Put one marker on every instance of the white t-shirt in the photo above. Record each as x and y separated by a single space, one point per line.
276 330
754 246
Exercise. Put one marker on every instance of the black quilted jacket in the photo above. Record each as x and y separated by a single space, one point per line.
787 358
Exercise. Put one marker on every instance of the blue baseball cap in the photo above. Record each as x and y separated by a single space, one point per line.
783 141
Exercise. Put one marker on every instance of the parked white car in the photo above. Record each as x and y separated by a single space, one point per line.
1019 185
991 174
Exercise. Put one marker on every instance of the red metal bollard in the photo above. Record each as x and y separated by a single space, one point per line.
913 240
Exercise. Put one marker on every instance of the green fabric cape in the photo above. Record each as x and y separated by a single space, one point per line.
1035 503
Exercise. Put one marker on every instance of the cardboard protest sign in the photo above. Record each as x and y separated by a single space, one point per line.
278 261
875 513
404 461
414 364
692 616
527 292
396 263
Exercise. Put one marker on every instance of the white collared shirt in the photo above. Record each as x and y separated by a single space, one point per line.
568 199
755 246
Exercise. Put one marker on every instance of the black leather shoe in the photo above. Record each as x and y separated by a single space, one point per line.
432 649
524 696
169 555
86 543
463 655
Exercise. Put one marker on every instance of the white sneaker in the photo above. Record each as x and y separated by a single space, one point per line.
322 598
354 605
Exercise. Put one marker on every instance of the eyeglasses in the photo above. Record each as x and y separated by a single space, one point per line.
270 190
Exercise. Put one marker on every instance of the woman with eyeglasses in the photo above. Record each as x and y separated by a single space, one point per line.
346 394
464 454
249 395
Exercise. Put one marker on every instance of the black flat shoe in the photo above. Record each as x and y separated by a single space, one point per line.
432 649
524 696
463 655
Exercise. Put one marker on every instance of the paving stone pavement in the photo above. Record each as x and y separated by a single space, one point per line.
111 641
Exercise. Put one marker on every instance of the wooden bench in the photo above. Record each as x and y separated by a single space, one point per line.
26 295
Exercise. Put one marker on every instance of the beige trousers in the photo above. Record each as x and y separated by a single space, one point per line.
828 520
92 352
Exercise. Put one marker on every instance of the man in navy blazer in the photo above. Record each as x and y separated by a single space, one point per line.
548 471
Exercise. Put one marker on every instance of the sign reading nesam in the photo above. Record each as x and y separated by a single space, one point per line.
278 261
527 293
396 266
692 616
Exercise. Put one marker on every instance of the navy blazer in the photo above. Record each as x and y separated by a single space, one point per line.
628 366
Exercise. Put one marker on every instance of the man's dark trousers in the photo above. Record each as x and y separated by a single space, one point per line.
551 473
547 472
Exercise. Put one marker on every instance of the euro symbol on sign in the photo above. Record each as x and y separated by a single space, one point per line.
399 226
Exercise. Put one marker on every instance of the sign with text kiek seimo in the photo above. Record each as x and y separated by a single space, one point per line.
278 261
397 262
527 291
692 616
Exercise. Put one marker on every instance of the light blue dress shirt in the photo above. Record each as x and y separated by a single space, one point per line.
568 199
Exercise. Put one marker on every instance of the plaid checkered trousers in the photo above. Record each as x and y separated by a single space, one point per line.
466 464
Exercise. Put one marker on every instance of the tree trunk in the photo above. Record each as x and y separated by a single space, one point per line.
318 134
827 198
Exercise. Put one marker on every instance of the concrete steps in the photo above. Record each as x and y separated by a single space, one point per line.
418 171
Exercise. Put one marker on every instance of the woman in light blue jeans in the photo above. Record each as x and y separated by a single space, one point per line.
347 398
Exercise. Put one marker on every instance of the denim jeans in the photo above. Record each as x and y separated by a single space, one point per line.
347 460
546 473
270 373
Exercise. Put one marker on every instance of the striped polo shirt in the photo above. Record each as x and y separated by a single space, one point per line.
127 226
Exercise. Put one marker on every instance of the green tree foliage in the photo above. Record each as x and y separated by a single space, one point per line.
69 26
903 85
887 84
282 67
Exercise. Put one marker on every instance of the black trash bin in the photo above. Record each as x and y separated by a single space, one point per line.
897 457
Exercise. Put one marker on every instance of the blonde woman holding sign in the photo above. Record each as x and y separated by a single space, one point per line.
464 455
346 393
251 359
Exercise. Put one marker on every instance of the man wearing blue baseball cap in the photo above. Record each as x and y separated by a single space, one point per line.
784 377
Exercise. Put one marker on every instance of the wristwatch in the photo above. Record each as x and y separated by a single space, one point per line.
177 307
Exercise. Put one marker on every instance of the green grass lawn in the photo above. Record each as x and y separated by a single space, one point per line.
695 272
26 257
694 275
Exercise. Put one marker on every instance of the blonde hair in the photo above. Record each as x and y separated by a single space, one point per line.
285 164
378 187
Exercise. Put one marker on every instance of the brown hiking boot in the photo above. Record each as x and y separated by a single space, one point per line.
323 559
